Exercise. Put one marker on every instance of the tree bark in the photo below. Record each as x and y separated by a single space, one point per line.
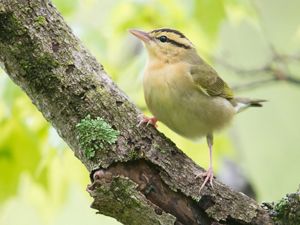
142 178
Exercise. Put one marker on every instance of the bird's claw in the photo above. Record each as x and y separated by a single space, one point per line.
209 177
148 120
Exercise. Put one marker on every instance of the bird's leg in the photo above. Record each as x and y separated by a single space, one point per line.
147 120
209 174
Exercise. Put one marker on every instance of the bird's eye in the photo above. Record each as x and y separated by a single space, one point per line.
163 38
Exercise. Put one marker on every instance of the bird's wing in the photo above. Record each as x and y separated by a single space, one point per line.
207 79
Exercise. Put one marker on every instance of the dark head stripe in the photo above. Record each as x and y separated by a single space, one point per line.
181 45
168 30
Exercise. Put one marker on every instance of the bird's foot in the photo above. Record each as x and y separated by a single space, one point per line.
209 176
148 120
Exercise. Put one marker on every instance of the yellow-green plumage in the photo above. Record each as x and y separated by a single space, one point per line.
177 101
208 79
183 91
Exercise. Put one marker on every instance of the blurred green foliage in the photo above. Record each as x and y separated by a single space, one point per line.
40 178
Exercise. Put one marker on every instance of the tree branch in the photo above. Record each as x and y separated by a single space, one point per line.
275 70
142 178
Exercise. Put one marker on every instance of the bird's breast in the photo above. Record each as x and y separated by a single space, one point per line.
165 86
174 99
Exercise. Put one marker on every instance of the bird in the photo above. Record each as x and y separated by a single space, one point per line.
184 92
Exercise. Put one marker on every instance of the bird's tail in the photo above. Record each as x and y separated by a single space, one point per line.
241 104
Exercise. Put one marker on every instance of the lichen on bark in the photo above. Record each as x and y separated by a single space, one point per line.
93 134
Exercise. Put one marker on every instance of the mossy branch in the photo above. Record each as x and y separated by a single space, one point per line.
287 210
135 169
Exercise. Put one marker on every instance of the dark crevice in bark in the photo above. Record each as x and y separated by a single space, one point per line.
147 176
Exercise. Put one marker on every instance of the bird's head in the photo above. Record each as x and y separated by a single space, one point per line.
167 45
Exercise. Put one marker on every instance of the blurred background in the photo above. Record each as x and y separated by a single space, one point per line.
255 47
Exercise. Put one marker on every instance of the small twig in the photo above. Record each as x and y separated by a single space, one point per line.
253 84
277 68
292 80
237 70
295 57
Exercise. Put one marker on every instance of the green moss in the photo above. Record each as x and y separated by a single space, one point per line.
35 64
121 193
162 151
133 154
125 190
94 134
41 20
156 146
287 210
281 206
10 27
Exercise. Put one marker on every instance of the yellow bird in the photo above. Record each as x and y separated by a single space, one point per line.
184 92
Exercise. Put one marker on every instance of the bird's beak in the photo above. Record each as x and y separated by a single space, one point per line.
144 36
